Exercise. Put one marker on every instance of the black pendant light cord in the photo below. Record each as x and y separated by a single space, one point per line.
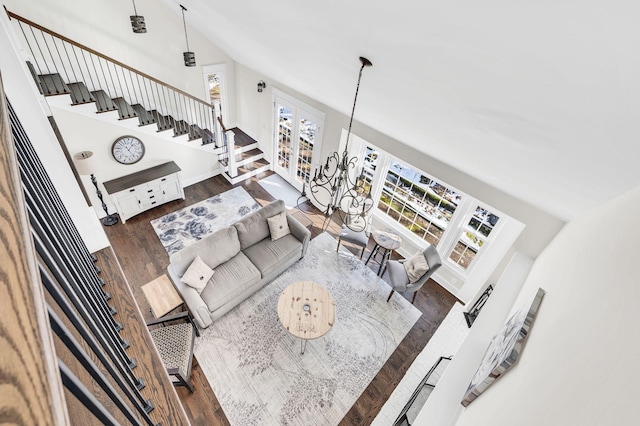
365 63
185 26
135 12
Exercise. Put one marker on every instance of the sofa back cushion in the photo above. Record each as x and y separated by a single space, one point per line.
253 227
213 249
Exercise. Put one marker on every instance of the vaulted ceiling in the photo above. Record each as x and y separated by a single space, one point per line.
540 99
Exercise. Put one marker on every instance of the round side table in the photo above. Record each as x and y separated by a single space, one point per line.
386 242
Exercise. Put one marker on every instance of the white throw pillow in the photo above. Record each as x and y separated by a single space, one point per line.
198 274
278 226
416 266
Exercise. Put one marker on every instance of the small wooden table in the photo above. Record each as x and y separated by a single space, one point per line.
386 242
306 310
161 295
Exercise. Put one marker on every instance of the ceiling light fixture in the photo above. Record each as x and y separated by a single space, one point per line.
137 21
261 86
338 188
189 57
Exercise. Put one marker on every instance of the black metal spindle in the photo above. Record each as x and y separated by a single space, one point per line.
115 352
84 395
65 335
61 59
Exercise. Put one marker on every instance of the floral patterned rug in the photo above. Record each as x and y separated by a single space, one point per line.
254 365
184 227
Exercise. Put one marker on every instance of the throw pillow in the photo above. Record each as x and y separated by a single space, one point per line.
416 266
197 275
278 226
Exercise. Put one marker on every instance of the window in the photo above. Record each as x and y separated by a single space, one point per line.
419 203
214 83
424 208
473 236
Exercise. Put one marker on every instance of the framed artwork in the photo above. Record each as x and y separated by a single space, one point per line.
505 348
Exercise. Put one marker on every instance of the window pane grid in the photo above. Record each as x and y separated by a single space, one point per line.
284 136
305 149
473 237
420 204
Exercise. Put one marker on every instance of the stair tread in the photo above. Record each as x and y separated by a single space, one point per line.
104 102
248 154
248 168
144 117
208 137
180 128
124 109
241 138
53 84
164 122
80 94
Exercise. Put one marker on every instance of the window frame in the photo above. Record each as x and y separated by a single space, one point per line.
455 227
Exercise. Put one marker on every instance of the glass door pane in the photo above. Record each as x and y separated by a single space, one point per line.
285 129
307 134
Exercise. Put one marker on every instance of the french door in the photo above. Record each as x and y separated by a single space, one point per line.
297 139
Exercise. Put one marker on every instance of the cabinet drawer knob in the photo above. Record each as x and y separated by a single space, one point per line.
153 196
132 189
151 190
153 202
163 179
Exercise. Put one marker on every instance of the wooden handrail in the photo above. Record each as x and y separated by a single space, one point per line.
224 129
88 49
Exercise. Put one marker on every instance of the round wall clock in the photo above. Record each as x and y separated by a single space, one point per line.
127 149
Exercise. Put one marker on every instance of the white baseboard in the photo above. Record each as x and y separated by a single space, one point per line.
201 177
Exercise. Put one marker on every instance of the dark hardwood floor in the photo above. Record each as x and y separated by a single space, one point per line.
143 259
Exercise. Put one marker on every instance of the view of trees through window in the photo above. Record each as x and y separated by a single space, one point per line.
305 149
284 136
473 237
419 203
426 207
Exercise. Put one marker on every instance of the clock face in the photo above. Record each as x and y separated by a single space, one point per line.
127 149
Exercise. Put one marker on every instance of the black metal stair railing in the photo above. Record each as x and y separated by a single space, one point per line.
62 66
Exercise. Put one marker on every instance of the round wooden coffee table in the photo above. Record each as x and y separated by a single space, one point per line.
306 310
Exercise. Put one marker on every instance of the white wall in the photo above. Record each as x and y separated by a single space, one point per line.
579 366
92 134
32 112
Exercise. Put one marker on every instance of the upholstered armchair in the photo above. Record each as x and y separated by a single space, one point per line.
358 238
400 279
175 346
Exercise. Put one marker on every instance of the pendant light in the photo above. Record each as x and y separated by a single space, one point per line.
189 57
137 21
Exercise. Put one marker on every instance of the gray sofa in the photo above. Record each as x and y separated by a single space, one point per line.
244 259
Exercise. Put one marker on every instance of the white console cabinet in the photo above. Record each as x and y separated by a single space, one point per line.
146 189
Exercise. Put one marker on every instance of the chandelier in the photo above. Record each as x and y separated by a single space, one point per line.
338 187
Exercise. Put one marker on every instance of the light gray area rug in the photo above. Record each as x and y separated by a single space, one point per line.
186 226
280 189
254 365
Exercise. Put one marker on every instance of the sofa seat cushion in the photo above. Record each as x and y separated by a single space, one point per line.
229 280
269 255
